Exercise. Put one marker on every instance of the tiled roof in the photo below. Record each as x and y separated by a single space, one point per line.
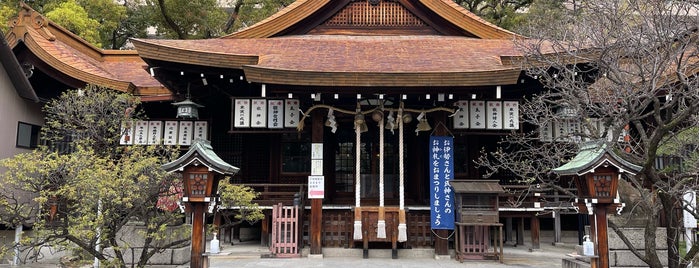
75 58
201 153
359 60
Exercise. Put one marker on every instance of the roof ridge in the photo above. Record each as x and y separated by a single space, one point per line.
28 17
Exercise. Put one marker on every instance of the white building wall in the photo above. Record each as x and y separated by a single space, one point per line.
14 109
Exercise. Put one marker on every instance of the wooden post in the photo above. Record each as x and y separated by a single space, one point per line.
317 204
520 231
264 239
557 228
509 231
535 232
198 245
593 236
602 240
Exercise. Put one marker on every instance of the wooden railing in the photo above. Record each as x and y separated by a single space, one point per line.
274 193
338 227
520 196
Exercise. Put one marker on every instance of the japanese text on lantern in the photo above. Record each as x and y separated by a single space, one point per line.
441 172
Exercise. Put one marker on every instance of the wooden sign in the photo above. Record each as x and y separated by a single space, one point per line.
510 115
201 130
275 114
461 116
560 130
141 133
316 187
241 113
170 133
546 131
291 113
494 115
258 113
477 114
185 133
155 132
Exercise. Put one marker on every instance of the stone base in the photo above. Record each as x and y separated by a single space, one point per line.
172 256
315 256
442 257
574 263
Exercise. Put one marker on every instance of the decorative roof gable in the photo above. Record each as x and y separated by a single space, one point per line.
383 17
374 17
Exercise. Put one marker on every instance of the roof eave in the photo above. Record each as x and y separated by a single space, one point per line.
372 79
14 70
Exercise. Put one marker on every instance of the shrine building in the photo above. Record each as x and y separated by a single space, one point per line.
361 110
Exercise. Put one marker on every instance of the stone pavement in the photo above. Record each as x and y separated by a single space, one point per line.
249 255
547 257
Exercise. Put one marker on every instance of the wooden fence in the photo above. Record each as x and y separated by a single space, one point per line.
285 231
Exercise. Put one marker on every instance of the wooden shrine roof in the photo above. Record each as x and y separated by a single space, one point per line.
340 60
73 57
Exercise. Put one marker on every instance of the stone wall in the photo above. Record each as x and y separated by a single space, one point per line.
132 237
619 254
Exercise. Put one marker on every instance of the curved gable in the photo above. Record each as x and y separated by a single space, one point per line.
383 17
68 55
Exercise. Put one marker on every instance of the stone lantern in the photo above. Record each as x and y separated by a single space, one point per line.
201 171
596 171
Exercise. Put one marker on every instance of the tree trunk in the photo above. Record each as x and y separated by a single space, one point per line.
171 23
673 233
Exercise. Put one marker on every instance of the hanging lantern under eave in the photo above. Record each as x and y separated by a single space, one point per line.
187 109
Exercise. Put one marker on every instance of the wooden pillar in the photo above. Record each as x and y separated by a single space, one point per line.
198 245
217 224
557 227
593 237
264 230
441 246
520 231
535 232
602 240
509 230
317 204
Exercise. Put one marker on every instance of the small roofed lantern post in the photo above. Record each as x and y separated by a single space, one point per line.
201 172
596 171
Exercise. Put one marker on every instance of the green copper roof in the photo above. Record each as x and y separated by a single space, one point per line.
592 155
201 153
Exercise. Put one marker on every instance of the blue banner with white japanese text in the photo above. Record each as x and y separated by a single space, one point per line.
441 172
